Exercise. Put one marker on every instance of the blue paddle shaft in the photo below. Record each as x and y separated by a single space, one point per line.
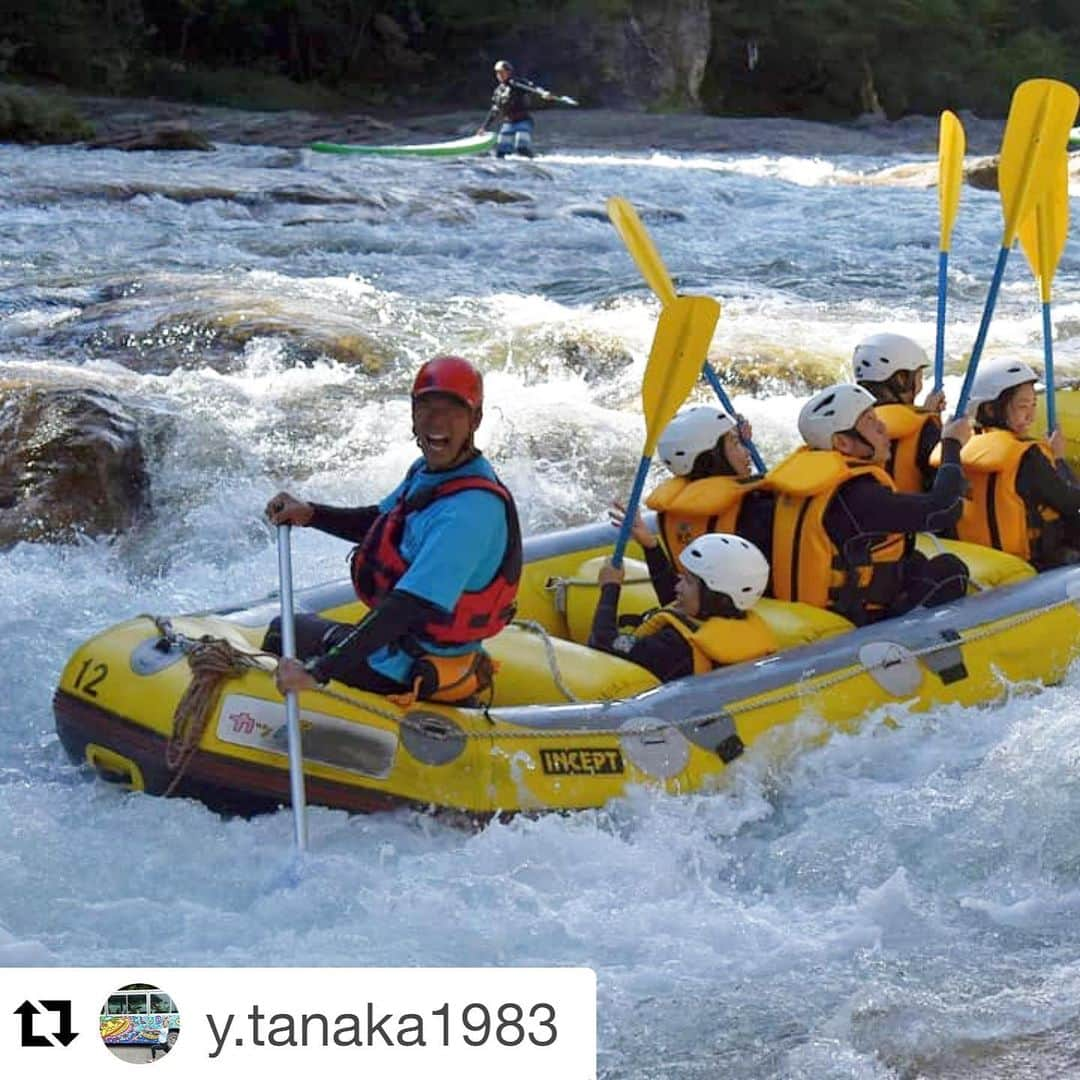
1048 356
725 401
939 349
631 511
984 327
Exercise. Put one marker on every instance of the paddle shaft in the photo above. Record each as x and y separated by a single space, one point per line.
1043 242
1048 375
292 707
939 346
632 505
725 401
984 328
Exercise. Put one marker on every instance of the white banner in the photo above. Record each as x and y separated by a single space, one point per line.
398 1023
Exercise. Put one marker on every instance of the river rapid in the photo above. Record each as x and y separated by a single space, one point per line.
897 902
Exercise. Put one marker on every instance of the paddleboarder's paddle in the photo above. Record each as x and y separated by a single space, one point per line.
638 242
1043 236
679 348
1037 130
292 707
951 146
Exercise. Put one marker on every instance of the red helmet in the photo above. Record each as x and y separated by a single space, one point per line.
450 375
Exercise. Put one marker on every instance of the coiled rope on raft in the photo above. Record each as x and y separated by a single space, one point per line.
212 661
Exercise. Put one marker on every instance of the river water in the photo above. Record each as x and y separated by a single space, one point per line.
898 902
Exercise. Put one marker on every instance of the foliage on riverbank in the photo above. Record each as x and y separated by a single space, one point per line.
825 59
27 116
836 58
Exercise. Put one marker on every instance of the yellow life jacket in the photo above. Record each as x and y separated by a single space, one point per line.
714 642
994 512
688 509
904 424
806 564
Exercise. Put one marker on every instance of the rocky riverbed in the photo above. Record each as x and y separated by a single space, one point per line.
118 119
149 124
74 441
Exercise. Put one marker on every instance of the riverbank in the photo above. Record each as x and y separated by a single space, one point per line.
562 128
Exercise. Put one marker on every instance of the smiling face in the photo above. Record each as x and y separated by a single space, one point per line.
688 594
444 427
1020 409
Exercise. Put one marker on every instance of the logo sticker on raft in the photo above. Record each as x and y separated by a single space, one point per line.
582 761
258 724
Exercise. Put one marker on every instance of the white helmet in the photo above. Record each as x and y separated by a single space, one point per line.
691 433
831 411
996 376
882 355
728 564
503 65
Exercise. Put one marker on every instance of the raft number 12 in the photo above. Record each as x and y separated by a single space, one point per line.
96 670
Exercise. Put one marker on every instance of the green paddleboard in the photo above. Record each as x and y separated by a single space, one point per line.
472 144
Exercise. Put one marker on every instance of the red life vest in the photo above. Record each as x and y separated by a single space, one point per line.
377 565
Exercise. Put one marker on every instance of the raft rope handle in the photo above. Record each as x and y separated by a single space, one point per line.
534 627
212 664
559 585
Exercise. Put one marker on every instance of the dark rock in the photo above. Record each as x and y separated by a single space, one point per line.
495 195
161 137
983 174
71 464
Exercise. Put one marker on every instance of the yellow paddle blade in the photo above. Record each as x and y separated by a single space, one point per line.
1043 233
679 349
643 251
1036 134
951 147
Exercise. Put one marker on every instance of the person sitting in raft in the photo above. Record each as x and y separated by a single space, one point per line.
1024 498
711 490
709 624
510 107
438 561
891 366
843 536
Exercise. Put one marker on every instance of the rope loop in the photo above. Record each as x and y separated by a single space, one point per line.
212 661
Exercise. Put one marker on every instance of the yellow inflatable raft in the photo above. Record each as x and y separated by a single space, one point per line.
568 727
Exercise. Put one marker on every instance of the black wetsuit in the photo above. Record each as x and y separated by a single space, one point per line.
863 510
1039 483
510 101
666 653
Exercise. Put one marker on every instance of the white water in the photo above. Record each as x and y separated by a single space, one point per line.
898 902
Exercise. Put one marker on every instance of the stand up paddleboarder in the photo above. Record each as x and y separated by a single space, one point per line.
510 107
